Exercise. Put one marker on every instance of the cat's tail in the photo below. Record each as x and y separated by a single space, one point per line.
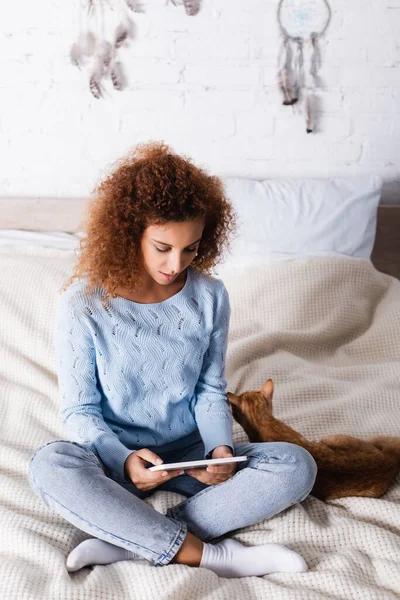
391 445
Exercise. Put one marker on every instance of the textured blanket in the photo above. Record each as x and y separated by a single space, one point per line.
325 330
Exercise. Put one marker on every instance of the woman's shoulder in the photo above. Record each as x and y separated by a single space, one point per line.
206 279
212 284
78 297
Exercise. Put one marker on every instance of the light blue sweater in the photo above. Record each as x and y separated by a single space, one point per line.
137 375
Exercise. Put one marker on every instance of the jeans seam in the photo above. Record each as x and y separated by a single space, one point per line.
40 448
192 498
166 557
302 496
174 511
91 524
69 442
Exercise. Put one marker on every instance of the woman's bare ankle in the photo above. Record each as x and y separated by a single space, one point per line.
190 552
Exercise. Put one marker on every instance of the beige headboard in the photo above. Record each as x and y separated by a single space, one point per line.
66 214
42 214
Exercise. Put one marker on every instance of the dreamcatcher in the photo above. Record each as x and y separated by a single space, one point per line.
302 22
105 26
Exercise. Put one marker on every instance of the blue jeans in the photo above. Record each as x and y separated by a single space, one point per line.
74 482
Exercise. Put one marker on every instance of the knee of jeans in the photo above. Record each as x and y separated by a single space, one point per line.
306 467
294 460
53 456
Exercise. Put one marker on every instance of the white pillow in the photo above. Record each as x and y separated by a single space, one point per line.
297 218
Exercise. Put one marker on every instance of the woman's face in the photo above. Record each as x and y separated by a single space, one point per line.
169 249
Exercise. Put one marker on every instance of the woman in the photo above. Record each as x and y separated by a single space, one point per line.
141 343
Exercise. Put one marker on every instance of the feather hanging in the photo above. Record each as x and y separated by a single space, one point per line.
135 6
105 57
316 61
294 82
87 43
76 55
117 76
95 84
121 35
130 26
291 80
299 65
282 74
93 43
91 7
312 99
192 7
286 81
283 86
309 120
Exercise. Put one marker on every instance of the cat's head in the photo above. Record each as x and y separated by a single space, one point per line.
250 408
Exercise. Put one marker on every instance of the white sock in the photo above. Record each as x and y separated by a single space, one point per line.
229 558
96 552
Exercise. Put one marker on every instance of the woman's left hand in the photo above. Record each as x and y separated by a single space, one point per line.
215 474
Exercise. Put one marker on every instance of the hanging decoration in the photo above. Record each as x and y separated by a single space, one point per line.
105 26
302 23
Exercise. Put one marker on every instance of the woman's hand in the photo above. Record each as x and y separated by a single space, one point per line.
215 474
144 479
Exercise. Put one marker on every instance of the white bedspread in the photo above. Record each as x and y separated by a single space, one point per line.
326 330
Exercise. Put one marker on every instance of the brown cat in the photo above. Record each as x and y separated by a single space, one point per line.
347 466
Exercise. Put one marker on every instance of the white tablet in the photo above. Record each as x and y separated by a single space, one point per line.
196 464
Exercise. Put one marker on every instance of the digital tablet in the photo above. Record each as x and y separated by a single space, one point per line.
197 464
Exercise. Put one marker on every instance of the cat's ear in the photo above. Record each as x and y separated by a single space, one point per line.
233 399
267 388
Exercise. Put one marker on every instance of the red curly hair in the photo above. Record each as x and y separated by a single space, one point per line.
151 185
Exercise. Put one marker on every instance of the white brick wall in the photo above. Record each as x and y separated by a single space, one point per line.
207 86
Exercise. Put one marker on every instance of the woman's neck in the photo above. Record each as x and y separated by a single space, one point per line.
152 292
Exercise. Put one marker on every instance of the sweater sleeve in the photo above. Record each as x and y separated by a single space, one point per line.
212 412
81 411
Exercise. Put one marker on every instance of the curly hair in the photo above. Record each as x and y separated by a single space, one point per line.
151 185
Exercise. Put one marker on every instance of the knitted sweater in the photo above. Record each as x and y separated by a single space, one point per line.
137 375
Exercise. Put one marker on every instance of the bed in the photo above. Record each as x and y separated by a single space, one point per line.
325 329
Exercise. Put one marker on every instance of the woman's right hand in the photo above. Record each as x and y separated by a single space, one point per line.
144 479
